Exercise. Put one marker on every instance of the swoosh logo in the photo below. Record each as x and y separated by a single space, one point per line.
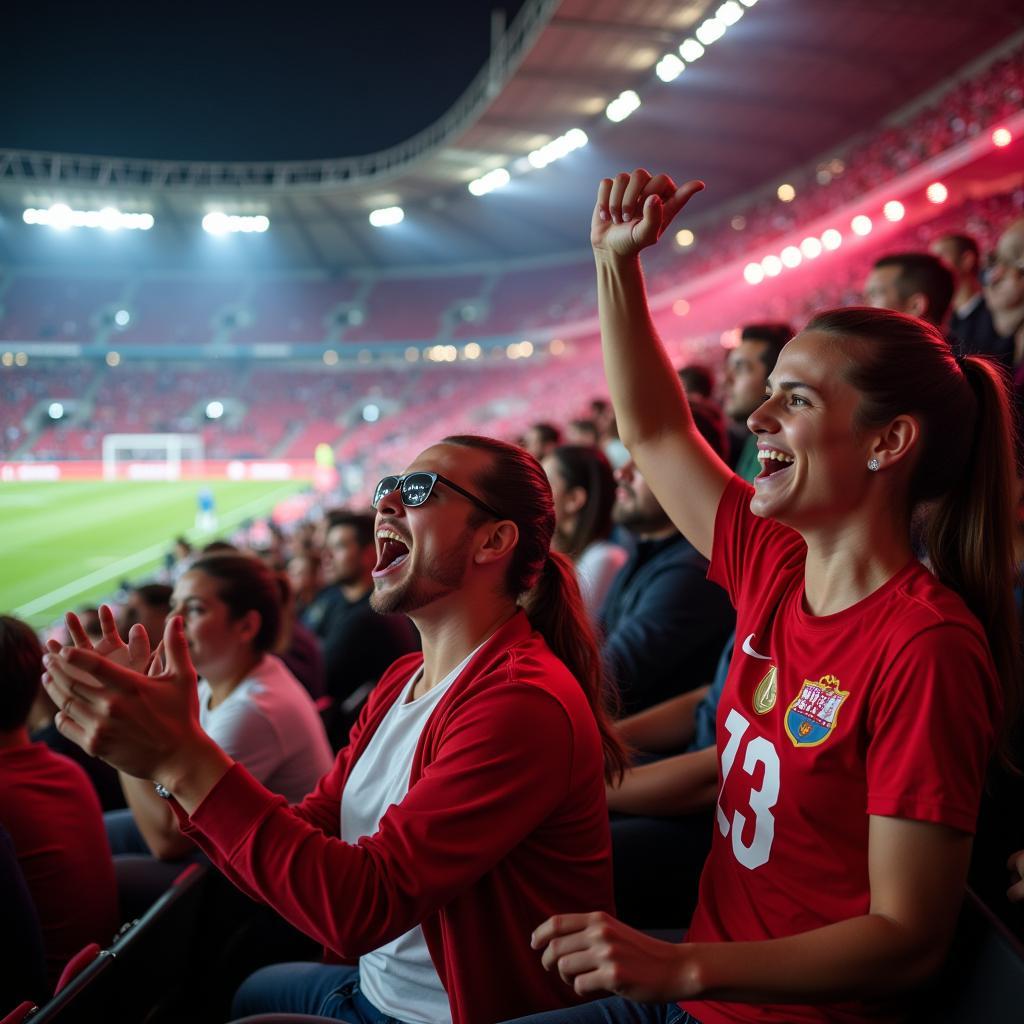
747 649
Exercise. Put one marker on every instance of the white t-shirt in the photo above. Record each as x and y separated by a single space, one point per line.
269 724
596 570
398 978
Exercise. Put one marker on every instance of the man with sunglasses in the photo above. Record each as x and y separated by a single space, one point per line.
469 803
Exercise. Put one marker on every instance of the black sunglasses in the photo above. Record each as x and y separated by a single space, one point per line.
415 488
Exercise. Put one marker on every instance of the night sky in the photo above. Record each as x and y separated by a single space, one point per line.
228 81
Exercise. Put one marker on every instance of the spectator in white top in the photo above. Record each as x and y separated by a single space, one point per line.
250 704
583 486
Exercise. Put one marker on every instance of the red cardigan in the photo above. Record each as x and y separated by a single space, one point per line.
504 824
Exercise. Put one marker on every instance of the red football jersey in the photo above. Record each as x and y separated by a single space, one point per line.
885 708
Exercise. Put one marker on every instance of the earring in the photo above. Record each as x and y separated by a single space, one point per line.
874 465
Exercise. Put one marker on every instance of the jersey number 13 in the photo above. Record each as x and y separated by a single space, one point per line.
758 751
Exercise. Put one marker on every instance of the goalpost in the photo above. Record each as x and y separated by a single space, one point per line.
151 456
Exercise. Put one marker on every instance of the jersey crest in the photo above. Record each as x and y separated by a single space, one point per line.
812 716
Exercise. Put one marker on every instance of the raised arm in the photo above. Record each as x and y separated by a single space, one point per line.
686 476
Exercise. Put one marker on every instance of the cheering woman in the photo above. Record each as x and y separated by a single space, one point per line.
864 693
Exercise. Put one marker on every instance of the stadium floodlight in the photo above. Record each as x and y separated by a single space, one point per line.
387 216
61 217
1002 137
371 412
753 273
729 13
791 256
710 31
811 247
893 210
214 410
56 411
622 106
936 193
748 3
690 50
771 265
669 68
471 351
573 139
831 239
122 318
219 223
786 192
861 225
113 358
685 238
498 178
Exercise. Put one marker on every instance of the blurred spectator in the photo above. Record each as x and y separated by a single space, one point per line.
304 576
582 432
583 488
23 977
358 644
1004 290
698 382
52 813
747 368
971 321
915 283
90 619
148 604
542 438
603 415
664 621
297 645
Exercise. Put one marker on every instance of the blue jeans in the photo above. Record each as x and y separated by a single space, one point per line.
613 1011
324 990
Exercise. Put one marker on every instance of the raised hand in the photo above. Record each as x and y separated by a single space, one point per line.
142 724
595 953
633 210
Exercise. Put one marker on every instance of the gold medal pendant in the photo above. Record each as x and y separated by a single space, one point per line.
766 692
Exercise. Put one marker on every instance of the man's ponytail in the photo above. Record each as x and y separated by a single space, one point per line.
555 608
543 581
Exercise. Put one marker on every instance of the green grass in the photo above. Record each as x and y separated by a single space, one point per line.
70 543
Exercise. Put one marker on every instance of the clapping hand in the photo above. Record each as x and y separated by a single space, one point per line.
137 710
633 210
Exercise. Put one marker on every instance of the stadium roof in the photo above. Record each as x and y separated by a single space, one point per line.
789 82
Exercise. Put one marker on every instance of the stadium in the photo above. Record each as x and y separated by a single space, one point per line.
229 354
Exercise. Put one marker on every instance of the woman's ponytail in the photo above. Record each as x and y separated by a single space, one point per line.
970 530
555 609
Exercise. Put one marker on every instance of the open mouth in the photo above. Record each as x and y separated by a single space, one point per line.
392 551
772 462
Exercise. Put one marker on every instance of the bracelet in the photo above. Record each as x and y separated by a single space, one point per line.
162 791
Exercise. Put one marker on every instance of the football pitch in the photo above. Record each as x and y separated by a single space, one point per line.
65 544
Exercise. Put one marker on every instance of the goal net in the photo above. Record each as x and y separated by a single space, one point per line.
152 456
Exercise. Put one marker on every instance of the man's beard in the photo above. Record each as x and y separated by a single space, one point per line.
436 579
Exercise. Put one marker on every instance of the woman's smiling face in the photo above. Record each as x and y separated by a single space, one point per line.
813 455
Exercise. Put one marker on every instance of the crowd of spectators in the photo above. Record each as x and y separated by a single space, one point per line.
483 802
